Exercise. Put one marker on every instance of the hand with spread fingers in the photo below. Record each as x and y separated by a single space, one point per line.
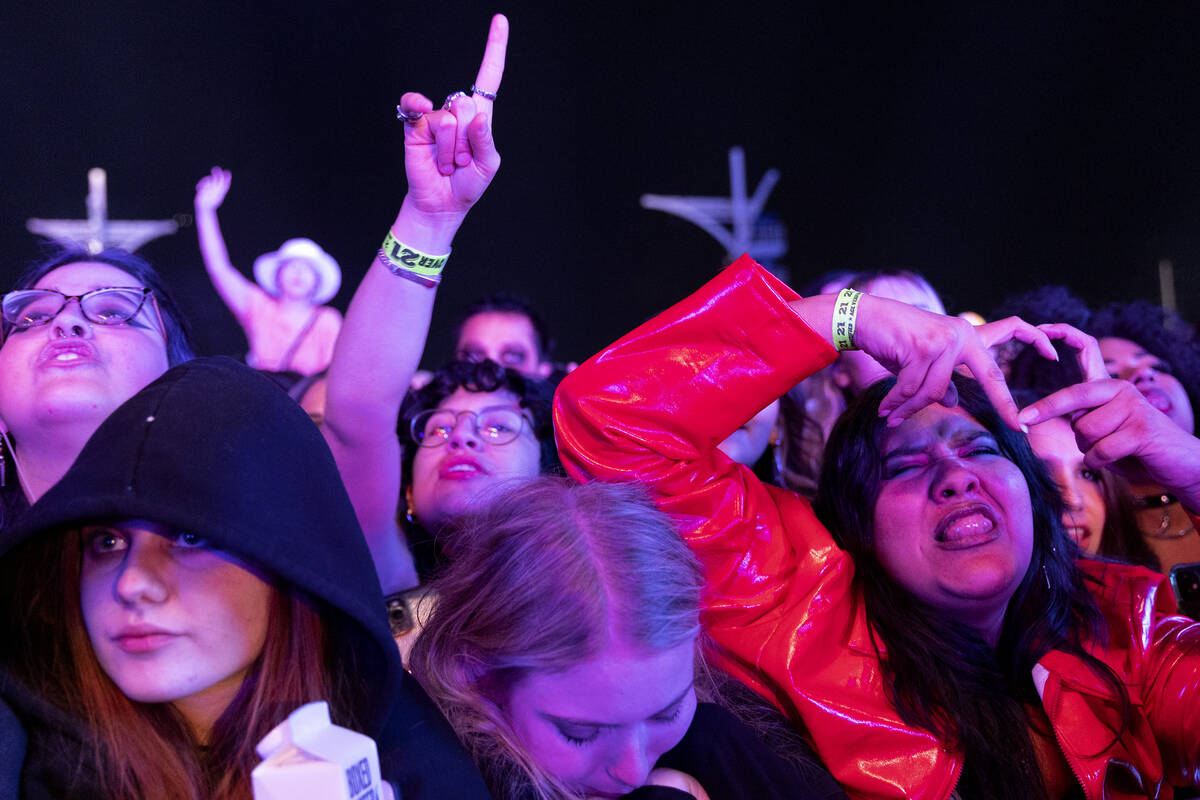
450 156
923 349
1116 427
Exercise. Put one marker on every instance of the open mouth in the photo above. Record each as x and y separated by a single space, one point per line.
966 527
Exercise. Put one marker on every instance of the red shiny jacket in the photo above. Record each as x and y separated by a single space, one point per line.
781 601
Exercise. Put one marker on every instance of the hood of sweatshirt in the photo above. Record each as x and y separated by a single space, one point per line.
214 448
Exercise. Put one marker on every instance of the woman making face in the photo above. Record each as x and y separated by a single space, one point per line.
184 588
82 334
940 635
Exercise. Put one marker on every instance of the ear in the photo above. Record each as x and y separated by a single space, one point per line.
408 501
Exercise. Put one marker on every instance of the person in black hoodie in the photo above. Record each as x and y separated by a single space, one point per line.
197 575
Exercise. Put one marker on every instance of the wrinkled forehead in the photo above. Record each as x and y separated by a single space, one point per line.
83 276
933 424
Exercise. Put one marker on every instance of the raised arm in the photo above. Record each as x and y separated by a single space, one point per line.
449 160
231 285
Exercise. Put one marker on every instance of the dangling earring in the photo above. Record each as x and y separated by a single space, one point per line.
1046 575
3 465
408 513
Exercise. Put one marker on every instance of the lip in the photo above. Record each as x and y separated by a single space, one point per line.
143 638
971 539
67 353
1080 533
1156 397
460 468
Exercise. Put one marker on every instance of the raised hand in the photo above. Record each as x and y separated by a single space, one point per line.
1116 427
449 154
212 188
923 349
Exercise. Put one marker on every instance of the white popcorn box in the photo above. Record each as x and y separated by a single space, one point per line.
307 757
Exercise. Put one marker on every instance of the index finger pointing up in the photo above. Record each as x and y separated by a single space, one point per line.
492 68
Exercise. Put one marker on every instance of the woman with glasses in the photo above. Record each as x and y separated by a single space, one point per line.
473 427
450 159
82 334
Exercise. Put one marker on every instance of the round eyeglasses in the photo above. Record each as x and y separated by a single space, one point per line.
495 425
116 305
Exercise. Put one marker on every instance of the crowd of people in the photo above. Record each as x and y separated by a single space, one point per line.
825 544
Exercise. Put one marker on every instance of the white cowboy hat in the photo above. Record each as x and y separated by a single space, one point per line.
329 276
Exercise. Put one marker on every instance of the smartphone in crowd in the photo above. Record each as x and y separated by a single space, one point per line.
1185 580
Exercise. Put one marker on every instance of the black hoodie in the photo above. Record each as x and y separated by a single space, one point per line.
215 449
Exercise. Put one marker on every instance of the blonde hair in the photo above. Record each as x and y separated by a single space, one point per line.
540 582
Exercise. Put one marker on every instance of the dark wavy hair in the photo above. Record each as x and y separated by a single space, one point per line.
532 394
480 376
940 674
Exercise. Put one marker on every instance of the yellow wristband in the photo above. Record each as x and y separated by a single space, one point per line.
408 262
845 317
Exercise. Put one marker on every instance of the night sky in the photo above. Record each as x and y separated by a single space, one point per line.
992 147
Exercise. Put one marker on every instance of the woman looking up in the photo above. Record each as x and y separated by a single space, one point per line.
82 333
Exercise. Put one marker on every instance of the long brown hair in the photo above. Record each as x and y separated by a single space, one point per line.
137 750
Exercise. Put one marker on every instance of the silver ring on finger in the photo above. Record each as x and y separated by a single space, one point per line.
450 98
484 94
408 117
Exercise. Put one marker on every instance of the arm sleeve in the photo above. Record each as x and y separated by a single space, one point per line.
653 407
1171 688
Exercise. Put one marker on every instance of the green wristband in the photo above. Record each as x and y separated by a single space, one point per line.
845 317
408 262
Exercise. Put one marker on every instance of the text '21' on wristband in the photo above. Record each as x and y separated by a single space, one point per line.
845 318
408 262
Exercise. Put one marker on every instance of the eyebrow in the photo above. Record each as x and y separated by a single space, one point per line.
583 723
958 438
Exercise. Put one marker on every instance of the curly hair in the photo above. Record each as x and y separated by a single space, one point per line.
1163 334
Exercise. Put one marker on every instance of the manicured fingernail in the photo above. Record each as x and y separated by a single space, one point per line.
1027 416
1024 428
